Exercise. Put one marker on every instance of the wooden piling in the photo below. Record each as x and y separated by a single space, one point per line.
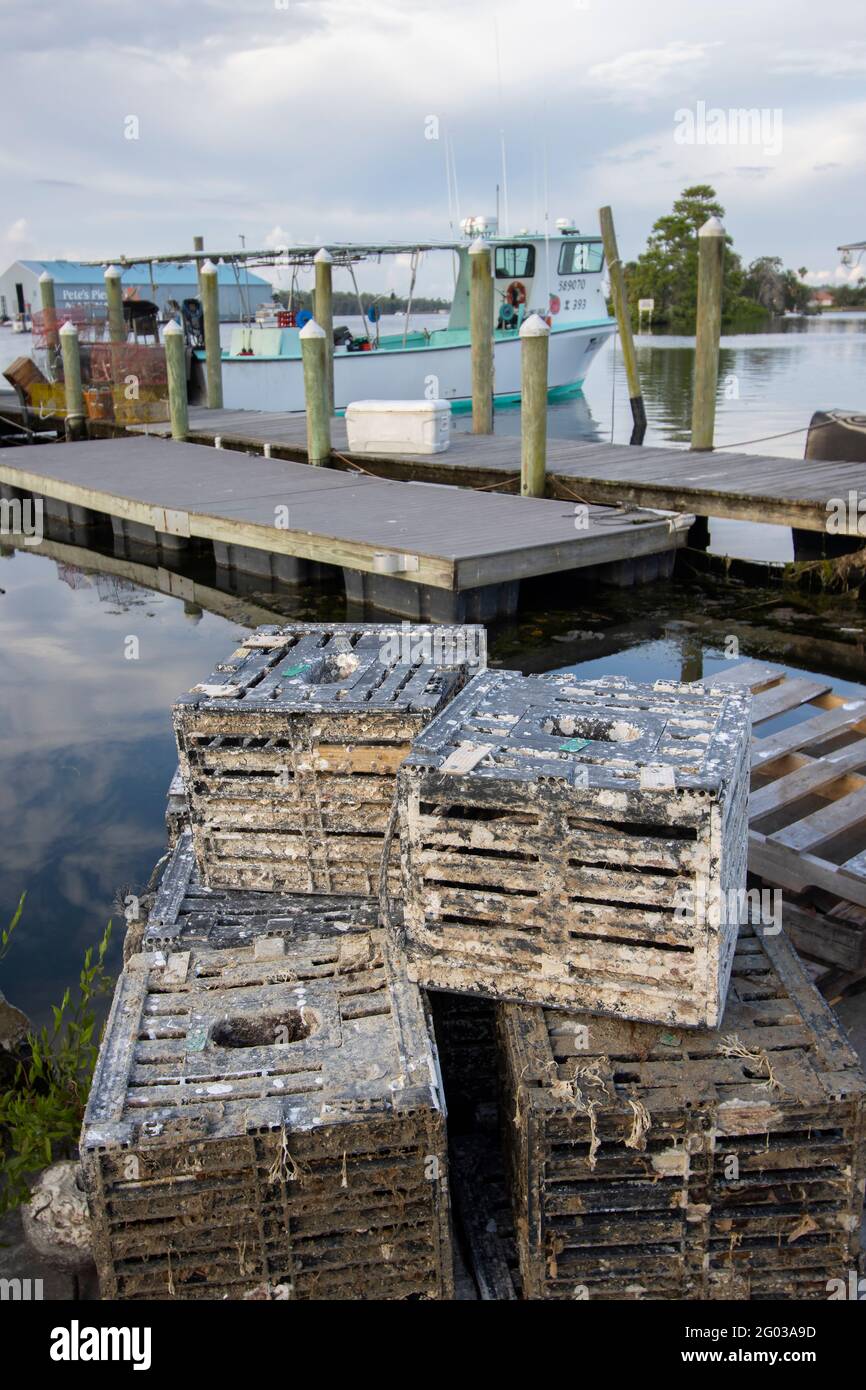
114 295
49 312
72 381
481 336
324 313
210 303
314 355
623 318
711 261
534 345
175 362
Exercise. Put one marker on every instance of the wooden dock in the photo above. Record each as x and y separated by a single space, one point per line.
408 537
745 487
807 809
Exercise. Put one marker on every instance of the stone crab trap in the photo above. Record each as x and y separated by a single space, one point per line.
578 844
650 1164
266 1119
288 751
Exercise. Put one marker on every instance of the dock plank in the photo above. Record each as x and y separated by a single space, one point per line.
447 537
751 487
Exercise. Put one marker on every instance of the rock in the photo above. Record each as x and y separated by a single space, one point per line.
14 1026
56 1220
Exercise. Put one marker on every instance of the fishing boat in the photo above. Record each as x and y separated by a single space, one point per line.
557 275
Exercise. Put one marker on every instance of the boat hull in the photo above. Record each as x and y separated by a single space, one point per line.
444 373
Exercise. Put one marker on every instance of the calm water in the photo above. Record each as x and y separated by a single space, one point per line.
86 750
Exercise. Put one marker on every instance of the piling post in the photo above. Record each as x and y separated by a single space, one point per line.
72 381
315 359
49 314
175 362
198 245
481 336
711 263
623 318
114 295
210 303
323 310
534 345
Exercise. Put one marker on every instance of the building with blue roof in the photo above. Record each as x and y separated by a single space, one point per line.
81 286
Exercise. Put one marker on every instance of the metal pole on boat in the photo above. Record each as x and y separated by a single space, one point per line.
481 336
323 309
49 312
315 359
210 303
175 362
623 318
711 265
114 296
534 345
72 381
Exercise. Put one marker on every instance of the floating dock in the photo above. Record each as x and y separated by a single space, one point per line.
744 487
436 552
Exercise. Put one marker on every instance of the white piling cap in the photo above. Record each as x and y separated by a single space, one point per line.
69 329
311 330
208 267
112 273
45 278
479 245
534 327
712 227
323 257
173 328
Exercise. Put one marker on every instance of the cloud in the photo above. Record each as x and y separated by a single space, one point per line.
840 275
19 232
846 60
648 72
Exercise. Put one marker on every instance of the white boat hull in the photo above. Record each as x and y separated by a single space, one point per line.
276 383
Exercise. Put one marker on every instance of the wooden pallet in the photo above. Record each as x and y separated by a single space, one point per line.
648 1163
288 750
563 840
266 1121
807 810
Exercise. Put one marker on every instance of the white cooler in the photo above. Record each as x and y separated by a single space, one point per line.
398 427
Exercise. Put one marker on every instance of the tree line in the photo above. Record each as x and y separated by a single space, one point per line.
667 272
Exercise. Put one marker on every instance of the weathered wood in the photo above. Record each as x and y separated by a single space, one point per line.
289 750
711 263
210 303
592 856
534 344
73 390
114 296
323 309
481 336
807 810
265 1122
643 1167
175 365
623 318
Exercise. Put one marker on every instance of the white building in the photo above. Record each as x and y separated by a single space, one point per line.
78 285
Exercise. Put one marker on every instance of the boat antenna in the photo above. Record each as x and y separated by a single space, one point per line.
505 219
546 224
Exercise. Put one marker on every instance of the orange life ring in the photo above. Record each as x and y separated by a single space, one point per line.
516 293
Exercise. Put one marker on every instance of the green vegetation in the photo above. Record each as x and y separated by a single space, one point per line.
667 271
42 1111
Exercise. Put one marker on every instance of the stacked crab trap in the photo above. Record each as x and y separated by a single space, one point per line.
267 1118
371 832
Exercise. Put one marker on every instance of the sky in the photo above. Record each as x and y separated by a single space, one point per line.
131 128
